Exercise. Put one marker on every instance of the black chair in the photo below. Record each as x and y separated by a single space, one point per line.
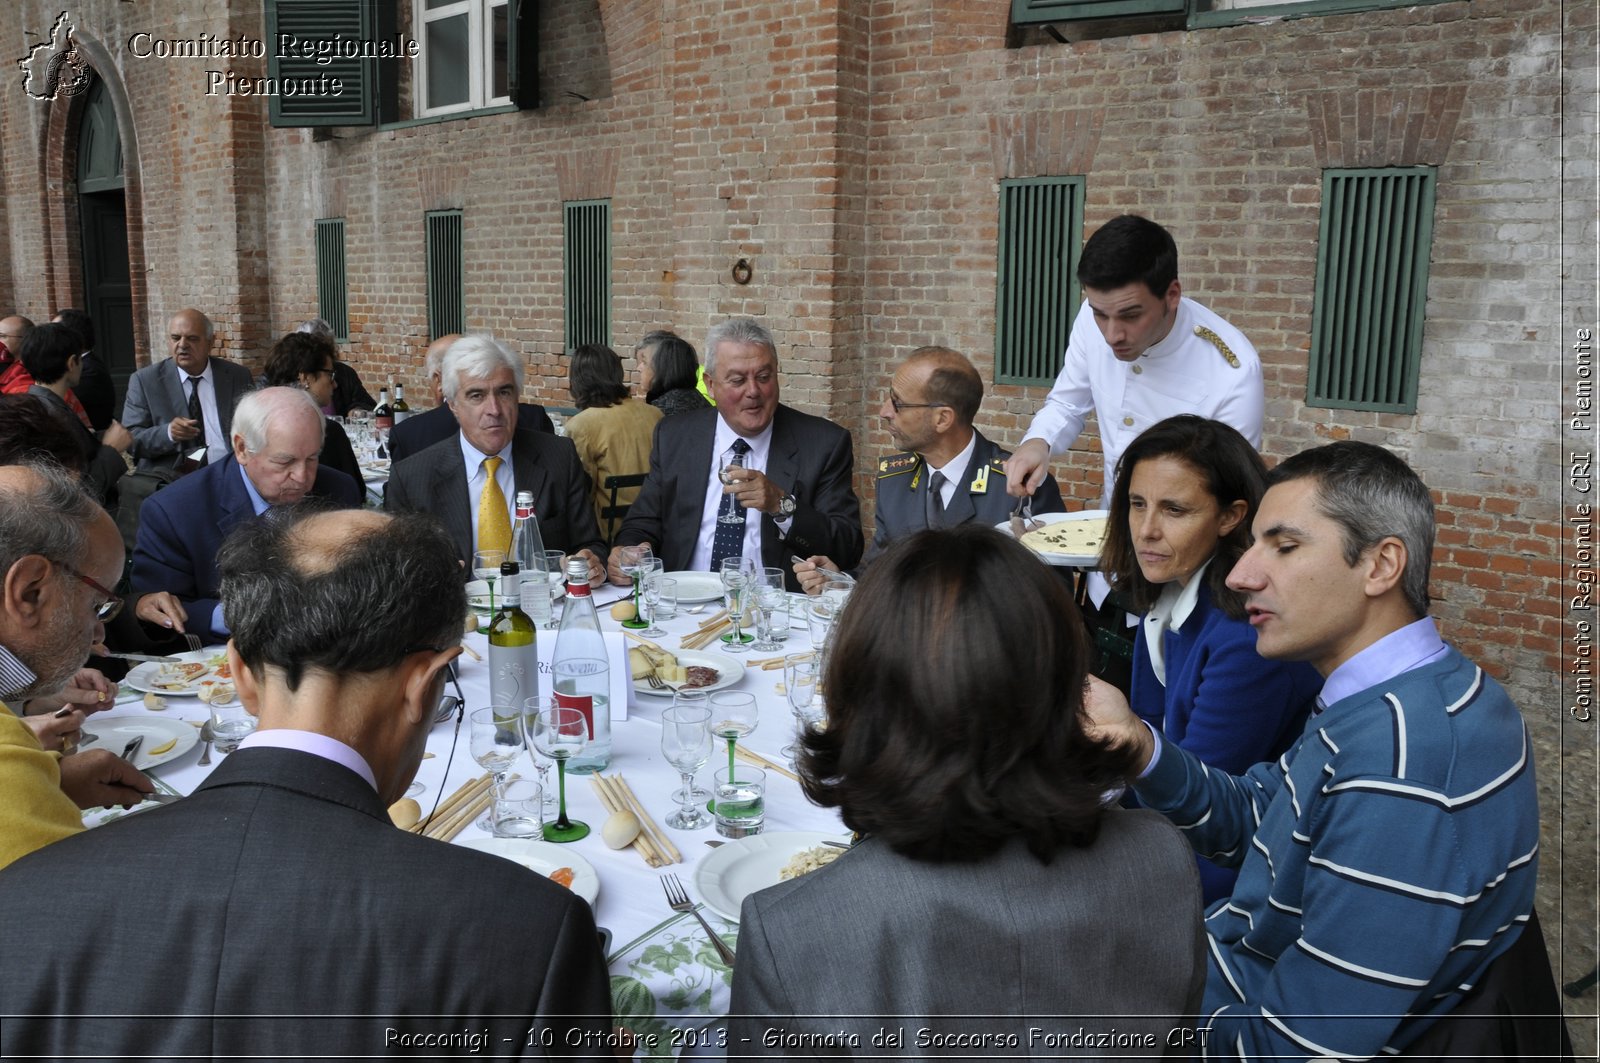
612 513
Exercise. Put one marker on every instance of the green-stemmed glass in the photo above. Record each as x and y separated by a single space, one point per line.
561 734
733 716
486 566
634 561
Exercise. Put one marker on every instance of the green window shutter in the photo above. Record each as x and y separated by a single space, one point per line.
447 296
586 272
333 296
1372 285
1032 12
321 20
1036 296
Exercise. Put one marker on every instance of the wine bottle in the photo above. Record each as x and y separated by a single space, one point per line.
513 646
527 548
402 409
383 413
582 669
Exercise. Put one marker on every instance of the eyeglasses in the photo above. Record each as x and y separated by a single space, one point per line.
107 609
898 405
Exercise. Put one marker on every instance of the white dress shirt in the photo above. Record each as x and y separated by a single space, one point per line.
953 470
722 447
218 445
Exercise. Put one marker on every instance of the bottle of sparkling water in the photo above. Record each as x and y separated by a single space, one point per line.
513 646
583 669
527 547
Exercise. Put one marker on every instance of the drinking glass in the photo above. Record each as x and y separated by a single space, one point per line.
520 810
486 566
496 742
634 561
725 467
657 591
686 743
801 683
692 699
733 716
555 561
772 618
737 575
741 800
561 734
530 718
231 724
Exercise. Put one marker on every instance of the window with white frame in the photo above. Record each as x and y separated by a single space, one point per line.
465 59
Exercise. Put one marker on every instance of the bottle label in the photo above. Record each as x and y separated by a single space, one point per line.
513 674
577 590
524 512
584 703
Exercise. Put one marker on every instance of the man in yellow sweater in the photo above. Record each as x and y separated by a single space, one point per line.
58 554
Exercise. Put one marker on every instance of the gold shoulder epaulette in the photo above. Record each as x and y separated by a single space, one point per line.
900 463
1216 341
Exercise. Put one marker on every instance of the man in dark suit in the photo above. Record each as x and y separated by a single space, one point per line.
933 397
789 494
278 912
184 402
52 354
94 387
277 434
469 482
422 430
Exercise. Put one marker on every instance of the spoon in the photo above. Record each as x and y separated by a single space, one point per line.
207 737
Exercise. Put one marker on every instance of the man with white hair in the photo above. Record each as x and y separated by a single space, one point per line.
422 430
277 435
470 481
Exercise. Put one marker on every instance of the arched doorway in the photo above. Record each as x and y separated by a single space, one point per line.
103 235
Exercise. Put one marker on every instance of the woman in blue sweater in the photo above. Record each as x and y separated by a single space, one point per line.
1185 494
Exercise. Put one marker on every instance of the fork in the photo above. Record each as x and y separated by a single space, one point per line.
654 681
679 901
193 641
1022 521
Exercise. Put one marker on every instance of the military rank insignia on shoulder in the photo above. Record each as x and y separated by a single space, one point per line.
895 466
1216 341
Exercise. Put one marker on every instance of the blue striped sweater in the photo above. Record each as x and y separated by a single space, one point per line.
1385 859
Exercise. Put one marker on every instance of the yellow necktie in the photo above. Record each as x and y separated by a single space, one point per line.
494 521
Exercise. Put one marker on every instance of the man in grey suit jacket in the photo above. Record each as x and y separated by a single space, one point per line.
482 379
164 398
278 913
792 493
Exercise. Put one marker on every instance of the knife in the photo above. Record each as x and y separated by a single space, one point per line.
160 798
132 748
139 657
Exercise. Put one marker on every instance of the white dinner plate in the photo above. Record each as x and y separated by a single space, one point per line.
143 677
696 587
730 670
543 857
1066 560
478 593
115 732
731 872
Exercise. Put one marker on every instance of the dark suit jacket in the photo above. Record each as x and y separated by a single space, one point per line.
1112 931
156 395
182 526
811 457
96 391
422 430
435 482
348 392
105 465
980 496
281 888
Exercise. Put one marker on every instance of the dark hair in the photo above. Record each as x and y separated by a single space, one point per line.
1229 468
358 605
953 381
1371 495
30 434
954 691
79 322
296 353
1127 249
594 376
675 366
47 349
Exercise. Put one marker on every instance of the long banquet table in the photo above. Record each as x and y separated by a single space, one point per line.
667 981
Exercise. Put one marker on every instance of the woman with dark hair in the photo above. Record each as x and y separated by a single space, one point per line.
991 877
611 429
669 375
305 360
1187 489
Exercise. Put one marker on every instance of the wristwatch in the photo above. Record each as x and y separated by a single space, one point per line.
787 505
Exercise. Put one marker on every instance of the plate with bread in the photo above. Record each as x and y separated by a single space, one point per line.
684 670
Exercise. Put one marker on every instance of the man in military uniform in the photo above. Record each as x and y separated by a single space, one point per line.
949 473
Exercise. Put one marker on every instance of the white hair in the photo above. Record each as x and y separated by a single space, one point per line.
477 357
737 330
259 409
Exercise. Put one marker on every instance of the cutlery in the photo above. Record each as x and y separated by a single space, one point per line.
836 845
1022 521
714 843
162 799
696 608
207 737
145 657
130 750
679 901
193 642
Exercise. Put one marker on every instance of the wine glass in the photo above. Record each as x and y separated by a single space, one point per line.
692 699
655 586
771 600
686 743
801 681
530 720
486 566
634 561
496 743
725 467
561 734
733 716
556 562
738 574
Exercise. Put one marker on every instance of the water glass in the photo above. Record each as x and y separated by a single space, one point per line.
520 812
230 725
686 745
692 699
555 561
772 619
657 590
801 684
740 796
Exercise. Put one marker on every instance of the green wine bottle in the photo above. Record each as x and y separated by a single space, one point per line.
513 646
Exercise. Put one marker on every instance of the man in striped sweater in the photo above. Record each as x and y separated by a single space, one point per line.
1391 853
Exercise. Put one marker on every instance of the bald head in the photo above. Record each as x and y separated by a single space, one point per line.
434 364
949 378
189 335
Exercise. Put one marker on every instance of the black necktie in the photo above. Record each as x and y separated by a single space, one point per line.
936 484
727 540
197 414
